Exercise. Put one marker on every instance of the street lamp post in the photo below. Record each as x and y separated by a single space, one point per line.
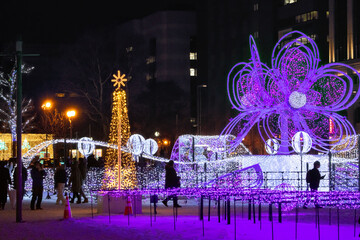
70 114
46 107
198 115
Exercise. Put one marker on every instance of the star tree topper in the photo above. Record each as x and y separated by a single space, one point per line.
119 80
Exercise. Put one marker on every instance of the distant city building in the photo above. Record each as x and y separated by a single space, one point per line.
160 58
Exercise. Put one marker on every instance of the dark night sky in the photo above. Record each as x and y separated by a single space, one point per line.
46 26
60 21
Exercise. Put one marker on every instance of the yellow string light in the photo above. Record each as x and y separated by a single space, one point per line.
128 169
32 140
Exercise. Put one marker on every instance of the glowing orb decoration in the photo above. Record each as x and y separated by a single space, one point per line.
272 146
297 99
293 94
285 190
301 142
150 146
135 144
86 148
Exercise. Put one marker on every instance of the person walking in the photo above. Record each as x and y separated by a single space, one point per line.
83 172
37 174
171 181
60 181
75 181
5 180
313 178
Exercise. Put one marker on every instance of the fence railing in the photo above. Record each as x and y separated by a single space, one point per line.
339 179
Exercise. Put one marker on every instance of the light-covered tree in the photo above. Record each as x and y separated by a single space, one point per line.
8 104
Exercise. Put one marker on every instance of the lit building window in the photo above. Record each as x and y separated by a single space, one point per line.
129 49
313 36
193 72
286 2
193 55
305 40
148 77
307 17
98 153
60 95
150 60
256 7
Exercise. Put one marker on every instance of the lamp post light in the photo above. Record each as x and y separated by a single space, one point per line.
198 115
70 114
47 105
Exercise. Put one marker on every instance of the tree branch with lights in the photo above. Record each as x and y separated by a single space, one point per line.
8 103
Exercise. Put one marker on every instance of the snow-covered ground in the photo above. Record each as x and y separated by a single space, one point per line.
48 224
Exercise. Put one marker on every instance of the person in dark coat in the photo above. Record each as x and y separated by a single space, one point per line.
171 181
60 180
313 178
24 178
83 171
37 174
75 181
5 180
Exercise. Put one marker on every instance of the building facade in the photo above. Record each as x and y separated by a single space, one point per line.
158 56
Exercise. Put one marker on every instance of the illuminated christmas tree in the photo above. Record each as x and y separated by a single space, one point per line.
119 121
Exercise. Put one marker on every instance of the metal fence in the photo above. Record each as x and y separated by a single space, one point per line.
342 177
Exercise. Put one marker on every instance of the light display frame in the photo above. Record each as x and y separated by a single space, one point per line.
262 94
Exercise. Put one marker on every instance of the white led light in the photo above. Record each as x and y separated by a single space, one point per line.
150 146
86 146
301 142
297 99
135 144
272 146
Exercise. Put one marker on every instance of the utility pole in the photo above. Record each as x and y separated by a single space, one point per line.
19 189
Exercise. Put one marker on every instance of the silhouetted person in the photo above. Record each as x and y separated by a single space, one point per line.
24 178
75 181
83 171
171 181
5 180
37 175
60 179
313 179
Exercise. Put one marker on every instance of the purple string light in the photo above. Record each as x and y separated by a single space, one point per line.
343 200
294 94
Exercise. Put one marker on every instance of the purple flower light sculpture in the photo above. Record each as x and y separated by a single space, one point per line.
295 94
